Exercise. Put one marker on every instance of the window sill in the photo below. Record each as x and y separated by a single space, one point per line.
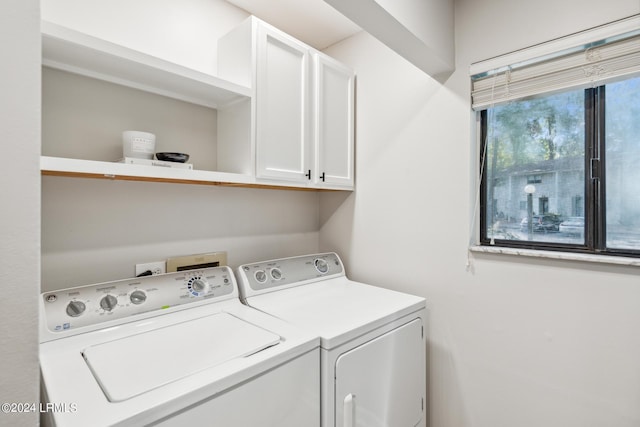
566 256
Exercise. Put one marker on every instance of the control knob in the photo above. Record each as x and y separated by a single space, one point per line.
198 285
276 273
108 302
321 266
75 308
137 297
260 276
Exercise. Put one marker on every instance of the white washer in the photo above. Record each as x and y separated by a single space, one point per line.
372 339
174 349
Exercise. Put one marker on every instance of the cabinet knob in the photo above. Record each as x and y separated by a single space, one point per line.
322 177
308 174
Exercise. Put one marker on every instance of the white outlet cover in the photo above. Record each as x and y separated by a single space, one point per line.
158 267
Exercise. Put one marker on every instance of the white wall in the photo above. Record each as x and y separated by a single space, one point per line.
83 118
512 341
95 230
20 211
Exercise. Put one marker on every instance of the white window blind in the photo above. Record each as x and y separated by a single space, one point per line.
584 65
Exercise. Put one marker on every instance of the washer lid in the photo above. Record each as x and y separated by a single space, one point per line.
130 366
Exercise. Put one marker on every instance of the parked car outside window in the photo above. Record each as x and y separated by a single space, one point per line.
572 225
542 223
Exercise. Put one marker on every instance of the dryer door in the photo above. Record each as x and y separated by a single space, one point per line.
382 382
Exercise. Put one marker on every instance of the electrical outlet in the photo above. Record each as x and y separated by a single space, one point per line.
155 268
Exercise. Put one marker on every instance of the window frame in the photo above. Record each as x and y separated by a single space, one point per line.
500 70
595 235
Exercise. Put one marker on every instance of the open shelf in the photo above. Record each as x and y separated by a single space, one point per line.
79 53
58 166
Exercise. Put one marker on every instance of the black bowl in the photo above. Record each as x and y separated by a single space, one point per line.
173 157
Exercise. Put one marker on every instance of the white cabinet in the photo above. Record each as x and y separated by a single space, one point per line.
282 107
333 139
302 112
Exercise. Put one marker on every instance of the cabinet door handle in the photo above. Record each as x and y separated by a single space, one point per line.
322 177
349 411
308 174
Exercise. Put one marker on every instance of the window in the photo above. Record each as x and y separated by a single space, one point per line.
545 134
621 193
561 165
581 158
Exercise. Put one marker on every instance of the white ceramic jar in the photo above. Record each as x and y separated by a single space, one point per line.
140 145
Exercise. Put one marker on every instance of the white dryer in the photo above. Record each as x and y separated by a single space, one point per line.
173 350
372 339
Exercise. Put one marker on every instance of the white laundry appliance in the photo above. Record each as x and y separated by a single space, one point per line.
176 349
372 339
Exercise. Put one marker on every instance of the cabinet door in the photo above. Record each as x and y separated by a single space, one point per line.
382 383
334 92
282 107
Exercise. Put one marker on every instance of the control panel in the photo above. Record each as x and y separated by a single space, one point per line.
289 271
92 304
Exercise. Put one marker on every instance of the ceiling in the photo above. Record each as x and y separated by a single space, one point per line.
311 21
